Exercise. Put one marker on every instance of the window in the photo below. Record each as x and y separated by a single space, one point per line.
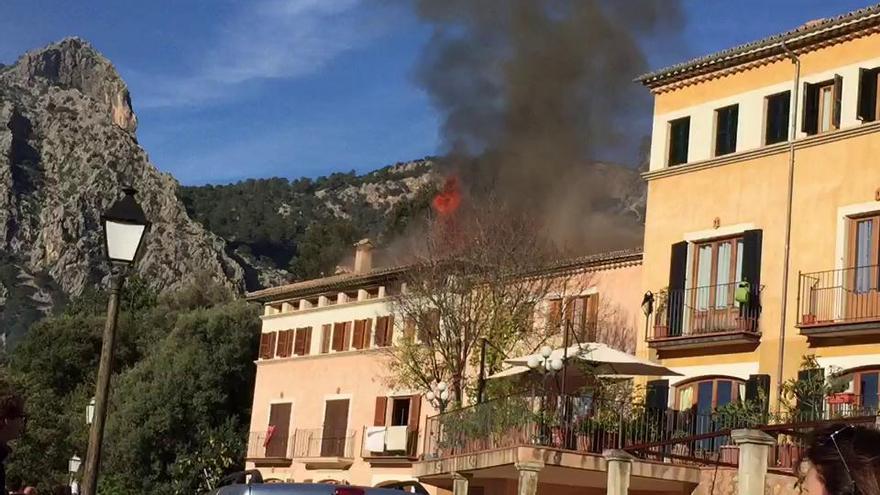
863 251
778 107
267 345
867 105
717 268
725 129
400 411
822 106
362 331
384 331
341 336
278 431
285 343
326 336
303 341
679 135
706 395
578 314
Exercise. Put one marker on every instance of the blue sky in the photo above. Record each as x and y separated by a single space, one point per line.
226 90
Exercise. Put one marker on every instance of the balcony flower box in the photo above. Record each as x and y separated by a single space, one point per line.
841 398
808 319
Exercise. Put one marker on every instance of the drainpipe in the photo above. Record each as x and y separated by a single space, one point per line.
785 260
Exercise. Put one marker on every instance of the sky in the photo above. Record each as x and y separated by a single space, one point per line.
226 90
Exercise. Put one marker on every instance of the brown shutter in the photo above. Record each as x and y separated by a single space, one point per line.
346 336
415 411
810 116
838 96
368 332
554 313
867 103
285 343
279 349
267 345
592 317
357 342
339 337
307 346
389 330
264 346
299 348
384 329
326 331
381 411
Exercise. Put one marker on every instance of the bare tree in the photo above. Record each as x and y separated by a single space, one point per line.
481 272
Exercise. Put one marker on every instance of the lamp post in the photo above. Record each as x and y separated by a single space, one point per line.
438 396
124 228
73 466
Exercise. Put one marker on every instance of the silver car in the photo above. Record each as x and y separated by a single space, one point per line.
241 485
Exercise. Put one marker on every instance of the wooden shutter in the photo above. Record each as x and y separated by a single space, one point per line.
592 316
299 347
657 394
415 412
554 313
267 345
307 344
285 343
751 267
368 332
346 336
867 102
838 98
358 341
810 116
675 297
339 337
409 328
326 331
381 339
388 337
381 411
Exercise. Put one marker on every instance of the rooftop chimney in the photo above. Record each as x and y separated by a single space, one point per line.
363 256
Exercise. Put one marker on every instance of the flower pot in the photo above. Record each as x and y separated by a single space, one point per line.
661 331
808 319
730 454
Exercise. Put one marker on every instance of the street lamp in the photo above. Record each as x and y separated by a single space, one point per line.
438 396
90 412
543 364
124 227
73 466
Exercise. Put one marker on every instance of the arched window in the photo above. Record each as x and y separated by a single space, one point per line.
707 393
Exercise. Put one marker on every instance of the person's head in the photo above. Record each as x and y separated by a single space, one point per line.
842 460
12 417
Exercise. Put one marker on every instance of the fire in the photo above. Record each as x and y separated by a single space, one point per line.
449 198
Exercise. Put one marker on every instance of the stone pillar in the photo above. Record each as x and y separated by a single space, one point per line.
460 483
619 466
528 477
754 451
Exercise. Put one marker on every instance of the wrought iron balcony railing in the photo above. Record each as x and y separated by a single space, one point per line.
842 296
711 309
318 443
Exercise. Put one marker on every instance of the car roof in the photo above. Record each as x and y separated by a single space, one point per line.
294 489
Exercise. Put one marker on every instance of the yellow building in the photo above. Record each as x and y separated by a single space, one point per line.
764 170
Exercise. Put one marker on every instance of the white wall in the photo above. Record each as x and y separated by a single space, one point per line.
328 315
750 126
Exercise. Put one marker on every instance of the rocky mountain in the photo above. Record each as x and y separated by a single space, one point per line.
67 146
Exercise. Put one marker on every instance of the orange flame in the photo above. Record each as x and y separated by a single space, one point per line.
448 199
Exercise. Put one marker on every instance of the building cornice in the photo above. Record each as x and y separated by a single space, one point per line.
775 149
329 307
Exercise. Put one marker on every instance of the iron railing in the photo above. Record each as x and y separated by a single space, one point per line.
705 310
846 295
262 445
388 450
315 443
576 423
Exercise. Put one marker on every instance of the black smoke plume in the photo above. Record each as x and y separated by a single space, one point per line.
534 93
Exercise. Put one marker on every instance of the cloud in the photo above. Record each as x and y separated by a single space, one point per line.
270 39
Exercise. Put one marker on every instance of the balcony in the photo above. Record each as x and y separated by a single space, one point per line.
706 317
322 449
266 449
391 445
843 303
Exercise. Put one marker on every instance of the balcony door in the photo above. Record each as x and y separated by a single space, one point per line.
335 430
717 270
862 296
279 431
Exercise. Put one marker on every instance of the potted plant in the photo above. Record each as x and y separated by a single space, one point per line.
661 328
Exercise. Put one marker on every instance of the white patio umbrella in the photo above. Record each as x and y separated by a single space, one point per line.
608 362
